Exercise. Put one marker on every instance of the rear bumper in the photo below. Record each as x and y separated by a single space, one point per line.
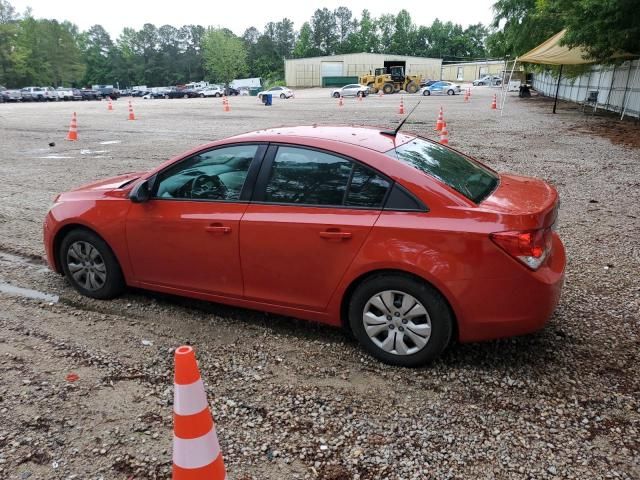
518 305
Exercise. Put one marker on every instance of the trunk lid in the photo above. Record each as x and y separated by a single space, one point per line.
531 202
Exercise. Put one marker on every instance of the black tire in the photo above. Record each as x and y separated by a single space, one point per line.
388 88
426 93
336 95
218 95
451 92
283 96
434 303
114 283
202 95
412 87
185 95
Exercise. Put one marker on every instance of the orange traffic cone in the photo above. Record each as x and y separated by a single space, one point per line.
196 451
444 135
340 102
225 104
131 114
440 121
466 95
494 104
73 128
110 105
401 110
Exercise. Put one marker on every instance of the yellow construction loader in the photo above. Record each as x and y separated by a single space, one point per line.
391 80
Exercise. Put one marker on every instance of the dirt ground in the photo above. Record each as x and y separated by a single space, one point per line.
295 400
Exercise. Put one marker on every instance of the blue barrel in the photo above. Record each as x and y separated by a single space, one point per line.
268 100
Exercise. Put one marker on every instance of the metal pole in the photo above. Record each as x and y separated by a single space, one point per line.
555 102
626 100
505 90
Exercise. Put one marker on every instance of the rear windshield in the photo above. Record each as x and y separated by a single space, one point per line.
463 175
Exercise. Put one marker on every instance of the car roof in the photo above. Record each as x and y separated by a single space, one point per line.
366 137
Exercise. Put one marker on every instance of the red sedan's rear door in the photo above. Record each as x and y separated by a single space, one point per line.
311 213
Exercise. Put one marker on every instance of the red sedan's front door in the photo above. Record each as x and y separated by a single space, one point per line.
186 236
186 245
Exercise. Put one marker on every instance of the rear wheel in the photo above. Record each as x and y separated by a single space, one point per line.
90 265
400 320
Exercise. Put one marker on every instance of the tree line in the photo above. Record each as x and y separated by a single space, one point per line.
51 52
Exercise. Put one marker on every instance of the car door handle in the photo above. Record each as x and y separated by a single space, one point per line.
335 235
217 228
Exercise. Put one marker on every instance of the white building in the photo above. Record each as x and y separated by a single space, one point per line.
322 71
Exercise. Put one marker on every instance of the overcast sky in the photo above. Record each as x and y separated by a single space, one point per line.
114 15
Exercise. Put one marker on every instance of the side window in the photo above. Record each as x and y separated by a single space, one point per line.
309 177
213 175
367 188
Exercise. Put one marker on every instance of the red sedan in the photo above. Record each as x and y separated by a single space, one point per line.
405 242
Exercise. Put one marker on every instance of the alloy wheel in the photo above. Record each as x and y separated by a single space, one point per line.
397 322
86 265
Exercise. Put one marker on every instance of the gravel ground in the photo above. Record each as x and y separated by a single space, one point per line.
294 400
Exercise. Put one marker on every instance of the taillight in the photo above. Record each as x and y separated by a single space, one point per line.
531 247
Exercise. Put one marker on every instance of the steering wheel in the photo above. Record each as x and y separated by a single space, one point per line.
208 186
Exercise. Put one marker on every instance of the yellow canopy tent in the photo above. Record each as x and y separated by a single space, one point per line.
550 52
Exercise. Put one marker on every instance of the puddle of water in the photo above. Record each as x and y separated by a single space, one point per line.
27 293
110 142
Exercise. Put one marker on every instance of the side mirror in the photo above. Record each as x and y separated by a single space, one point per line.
141 193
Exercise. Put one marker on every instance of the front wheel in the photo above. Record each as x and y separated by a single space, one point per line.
388 88
90 265
283 96
412 87
426 93
400 320
336 95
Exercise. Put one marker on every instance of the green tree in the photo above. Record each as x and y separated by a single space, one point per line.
225 56
97 49
8 36
345 25
304 45
324 36
365 36
386 25
402 39
285 37
604 27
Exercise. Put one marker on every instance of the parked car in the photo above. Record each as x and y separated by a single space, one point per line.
211 91
404 241
351 90
441 88
488 80
282 92
108 92
89 94
139 93
77 94
125 92
181 93
152 95
39 94
64 93
230 91
9 95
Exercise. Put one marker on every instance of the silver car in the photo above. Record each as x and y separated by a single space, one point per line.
351 90
488 80
441 88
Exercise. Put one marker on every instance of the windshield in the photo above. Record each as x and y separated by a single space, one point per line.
463 175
